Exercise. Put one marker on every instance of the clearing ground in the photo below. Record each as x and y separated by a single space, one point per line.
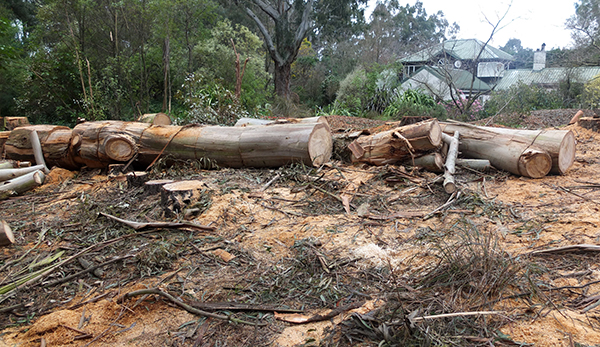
283 241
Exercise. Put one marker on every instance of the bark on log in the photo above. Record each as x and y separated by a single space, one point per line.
10 123
6 165
175 197
512 153
398 144
590 123
155 119
242 122
7 174
576 117
55 141
560 144
7 237
155 186
36 146
449 182
21 184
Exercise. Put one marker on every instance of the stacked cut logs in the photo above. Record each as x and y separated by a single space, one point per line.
529 153
99 144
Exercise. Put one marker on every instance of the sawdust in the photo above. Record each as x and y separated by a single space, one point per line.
542 213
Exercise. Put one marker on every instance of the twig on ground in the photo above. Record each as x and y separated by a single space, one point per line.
139 226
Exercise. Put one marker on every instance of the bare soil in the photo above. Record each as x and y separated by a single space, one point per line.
313 240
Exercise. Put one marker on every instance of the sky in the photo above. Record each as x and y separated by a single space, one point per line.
532 21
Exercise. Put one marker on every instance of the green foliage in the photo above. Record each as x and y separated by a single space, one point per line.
522 99
591 93
209 102
414 103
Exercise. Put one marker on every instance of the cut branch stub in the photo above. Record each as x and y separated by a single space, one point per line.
175 197
7 237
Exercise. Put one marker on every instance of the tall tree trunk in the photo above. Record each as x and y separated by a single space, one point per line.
282 79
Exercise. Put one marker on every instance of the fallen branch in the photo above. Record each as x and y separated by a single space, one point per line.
232 306
185 306
83 272
37 150
301 319
450 165
450 201
566 249
140 226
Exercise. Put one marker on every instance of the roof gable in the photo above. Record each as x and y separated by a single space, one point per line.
459 49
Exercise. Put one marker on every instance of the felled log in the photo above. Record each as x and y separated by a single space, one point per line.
55 141
7 237
254 121
576 117
6 165
7 174
21 184
475 164
155 119
590 123
560 144
176 196
397 145
449 182
36 146
10 123
512 153
433 162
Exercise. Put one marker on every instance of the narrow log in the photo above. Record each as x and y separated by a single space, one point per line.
475 164
560 144
155 186
37 151
175 197
576 117
7 237
512 153
21 184
155 118
433 162
6 165
397 145
450 165
590 123
7 174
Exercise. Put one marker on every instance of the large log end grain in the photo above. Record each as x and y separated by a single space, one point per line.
120 147
590 123
320 145
176 197
534 163
566 154
7 237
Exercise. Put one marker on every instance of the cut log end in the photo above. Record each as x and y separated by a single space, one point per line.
566 154
320 145
535 164
154 186
120 148
7 237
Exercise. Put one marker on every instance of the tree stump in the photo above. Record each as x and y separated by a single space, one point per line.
136 179
175 197
7 237
155 186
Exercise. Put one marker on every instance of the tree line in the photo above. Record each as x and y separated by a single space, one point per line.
214 60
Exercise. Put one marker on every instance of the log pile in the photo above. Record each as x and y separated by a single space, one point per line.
99 144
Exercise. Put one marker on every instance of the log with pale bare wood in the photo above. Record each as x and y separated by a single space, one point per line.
21 184
398 144
450 165
7 237
155 118
513 153
98 144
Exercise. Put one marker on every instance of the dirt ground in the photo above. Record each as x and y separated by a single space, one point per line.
367 245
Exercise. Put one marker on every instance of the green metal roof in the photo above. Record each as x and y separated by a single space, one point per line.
459 49
460 78
551 75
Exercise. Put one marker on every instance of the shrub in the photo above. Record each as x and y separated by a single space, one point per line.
522 99
591 93
413 103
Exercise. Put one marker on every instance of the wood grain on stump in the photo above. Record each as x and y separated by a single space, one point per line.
175 197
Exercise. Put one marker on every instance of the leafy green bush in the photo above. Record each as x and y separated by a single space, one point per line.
591 93
414 103
209 102
522 99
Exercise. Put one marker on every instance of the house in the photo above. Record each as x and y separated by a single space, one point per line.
448 66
